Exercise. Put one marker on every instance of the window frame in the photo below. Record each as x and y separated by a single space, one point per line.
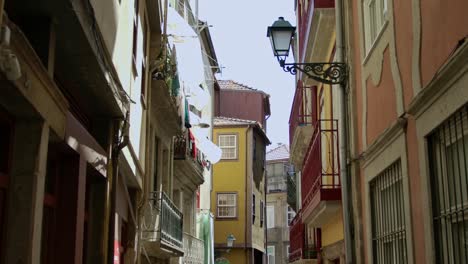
375 20
270 253
235 147
235 206
386 218
270 224
381 154
439 170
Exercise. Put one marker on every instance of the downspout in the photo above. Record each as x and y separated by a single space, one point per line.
339 57
246 193
119 143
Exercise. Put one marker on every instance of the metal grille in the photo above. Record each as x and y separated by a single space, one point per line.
388 218
448 151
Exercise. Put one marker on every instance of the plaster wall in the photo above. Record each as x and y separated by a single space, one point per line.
115 22
381 106
230 176
332 231
443 24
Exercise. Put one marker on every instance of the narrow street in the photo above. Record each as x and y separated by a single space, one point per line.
233 132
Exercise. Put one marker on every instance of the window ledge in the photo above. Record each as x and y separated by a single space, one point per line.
374 44
226 218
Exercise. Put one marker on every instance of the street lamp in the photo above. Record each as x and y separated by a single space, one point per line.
230 240
281 34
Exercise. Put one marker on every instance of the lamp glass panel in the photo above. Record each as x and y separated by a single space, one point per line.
282 41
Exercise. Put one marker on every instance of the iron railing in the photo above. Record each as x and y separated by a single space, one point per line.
193 250
185 149
448 165
167 71
321 164
302 111
299 248
162 222
291 196
296 238
388 217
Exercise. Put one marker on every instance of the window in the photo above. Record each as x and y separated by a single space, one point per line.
270 216
271 254
228 145
290 214
262 213
375 16
448 155
226 205
388 217
253 209
143 63
155 165
135 29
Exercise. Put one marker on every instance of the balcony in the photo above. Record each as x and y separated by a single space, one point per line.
300 122
316 26
300 250
165 98
320 179
276 184
194 250
82 60
161 228
188 160
291 185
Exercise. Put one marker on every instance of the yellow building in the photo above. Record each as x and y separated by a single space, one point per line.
317 232
238 196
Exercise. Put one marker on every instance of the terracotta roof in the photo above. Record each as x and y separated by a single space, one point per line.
233 85
229 121
220 121
281 152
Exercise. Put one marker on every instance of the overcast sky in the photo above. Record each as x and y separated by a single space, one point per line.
242 48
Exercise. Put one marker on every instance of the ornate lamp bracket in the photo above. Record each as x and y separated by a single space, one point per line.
328 73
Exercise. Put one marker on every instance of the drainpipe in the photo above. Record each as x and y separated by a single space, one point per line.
118 145
345 195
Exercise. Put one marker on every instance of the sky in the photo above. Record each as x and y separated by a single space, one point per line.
238 30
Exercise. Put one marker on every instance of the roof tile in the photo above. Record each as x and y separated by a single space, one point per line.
279 153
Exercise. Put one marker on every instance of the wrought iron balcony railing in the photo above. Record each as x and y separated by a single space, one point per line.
302 113
185 149
292 192
299 247
193 248
162 222
321 170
